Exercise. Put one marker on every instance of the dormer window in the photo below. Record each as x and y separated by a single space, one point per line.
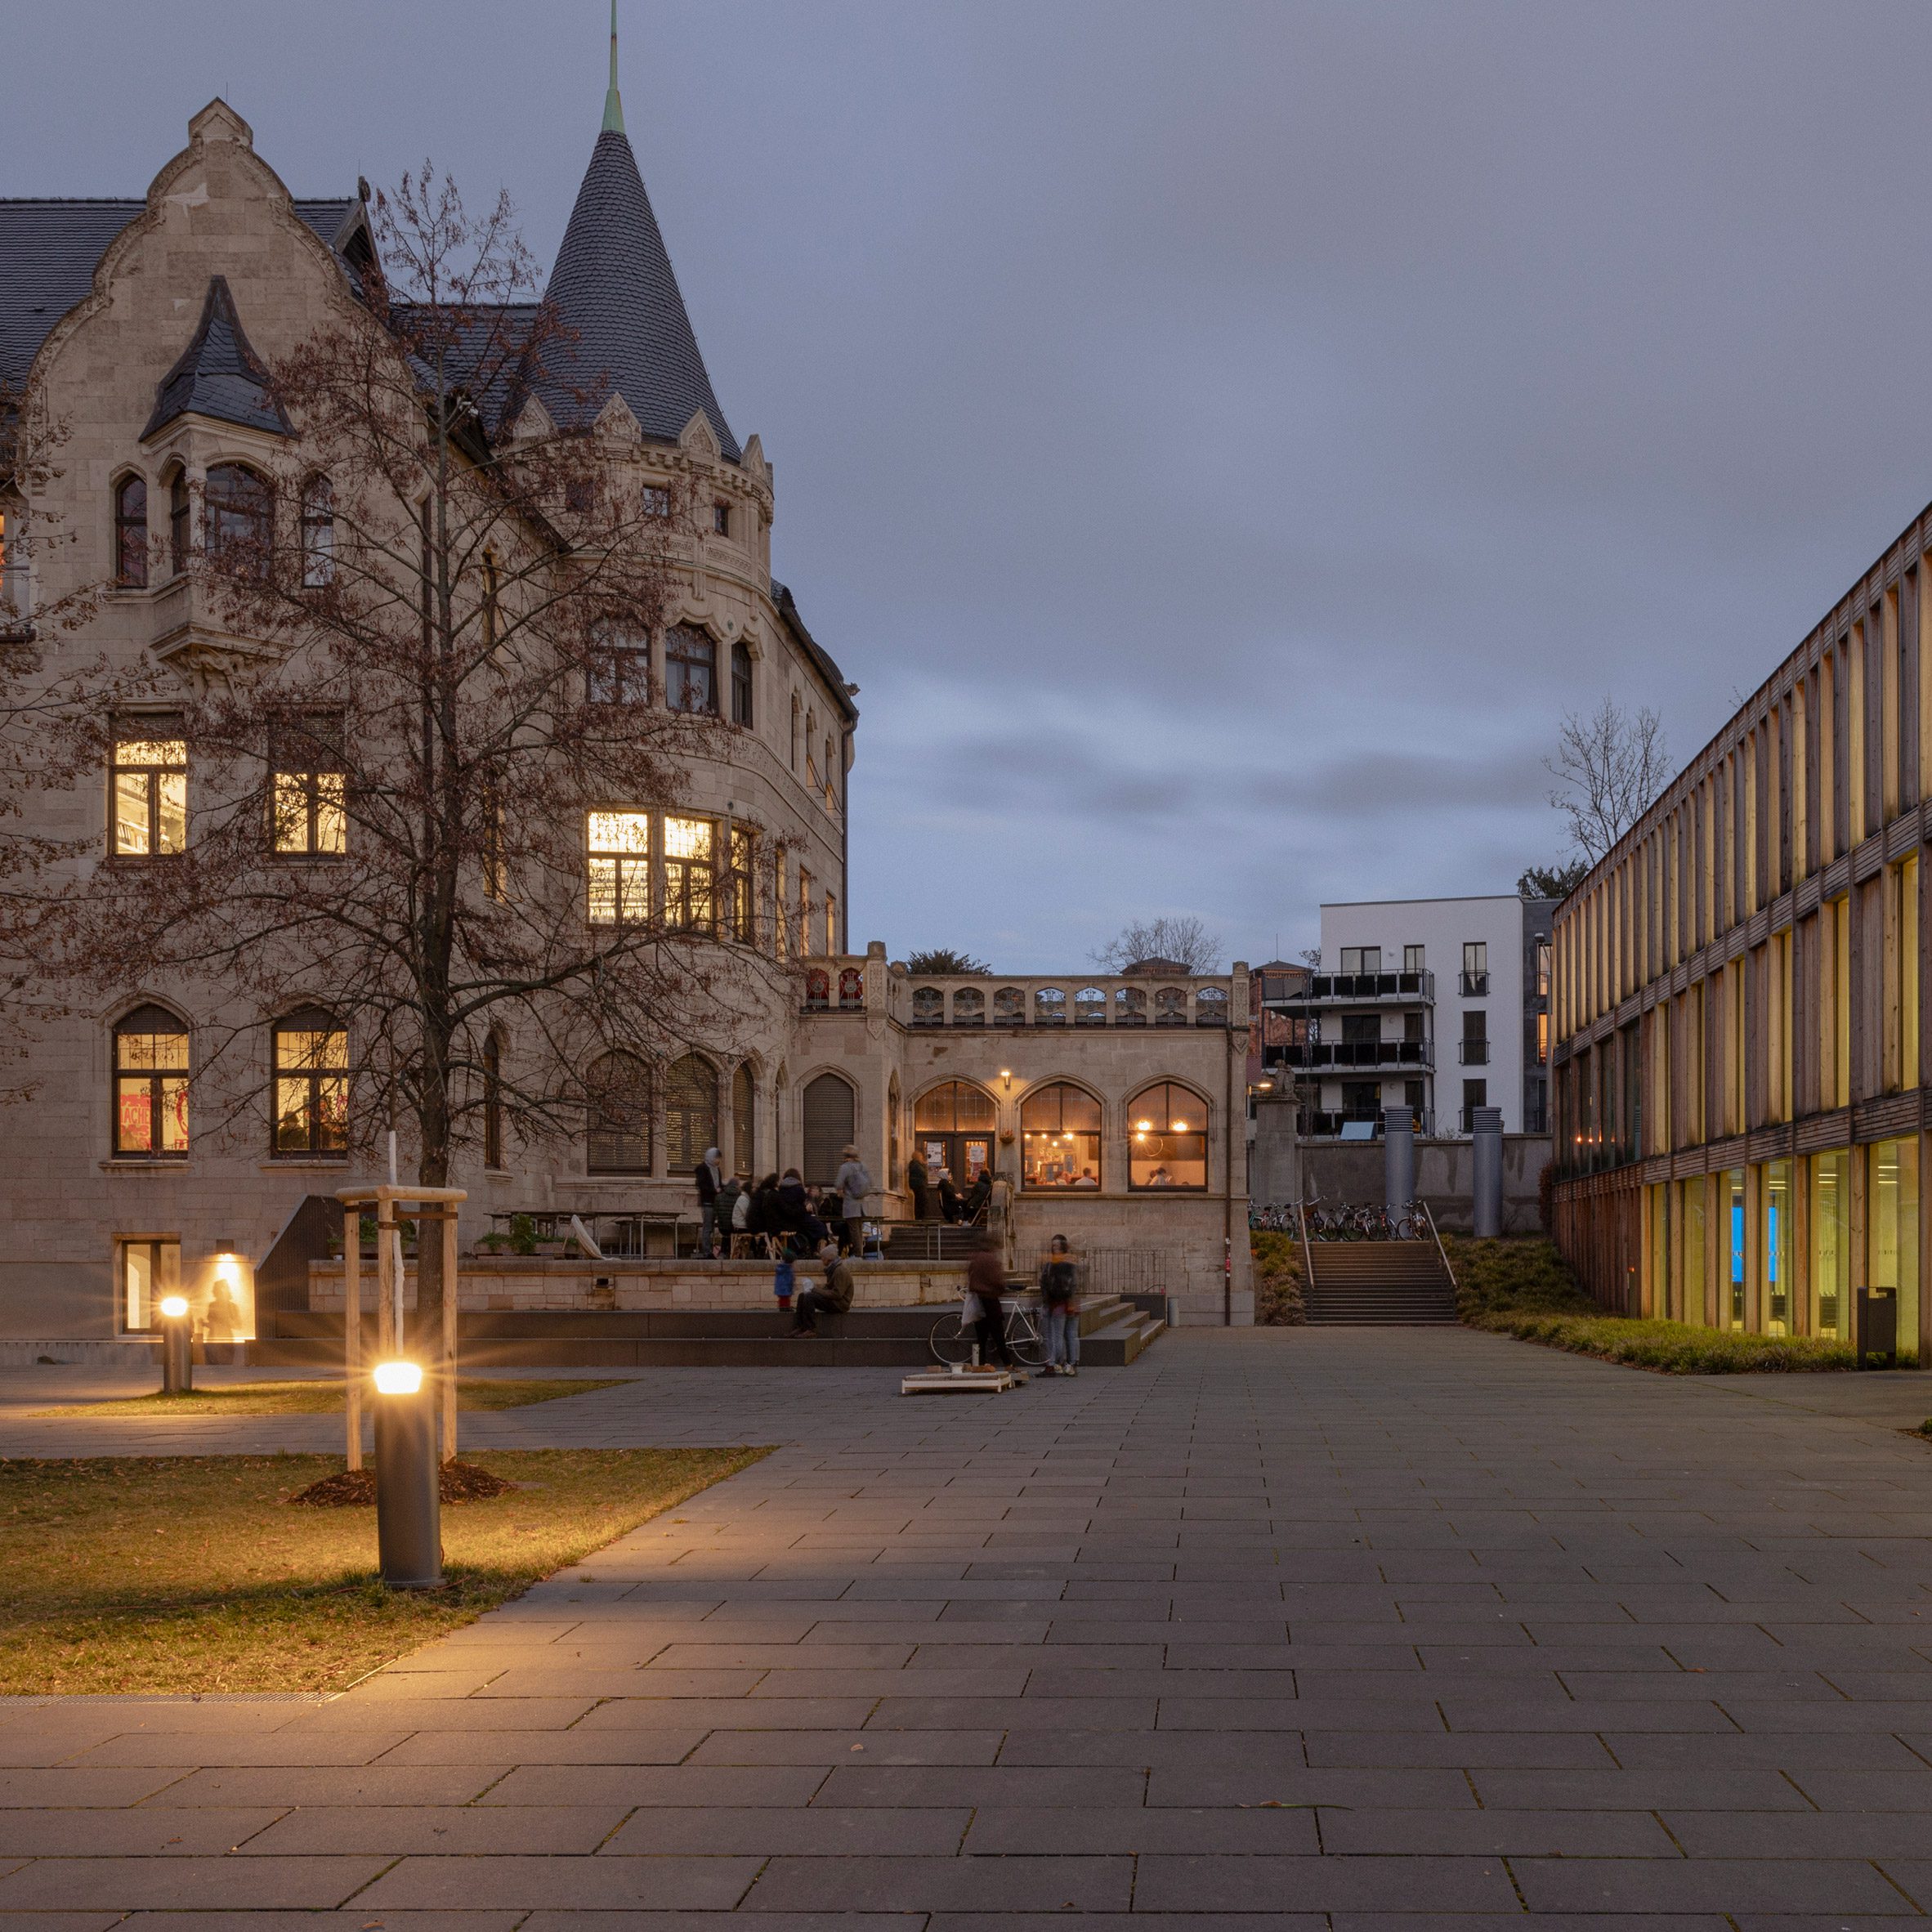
131 532
720 519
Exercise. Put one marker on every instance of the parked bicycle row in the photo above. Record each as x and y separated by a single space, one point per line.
1344 1221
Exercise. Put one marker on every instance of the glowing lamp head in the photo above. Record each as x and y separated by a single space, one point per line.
174 1306
1144 1126
1180 1126
398 1378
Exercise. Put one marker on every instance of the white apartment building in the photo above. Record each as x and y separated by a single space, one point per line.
1439 1005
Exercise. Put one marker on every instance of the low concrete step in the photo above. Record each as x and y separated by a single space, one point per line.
1383 1283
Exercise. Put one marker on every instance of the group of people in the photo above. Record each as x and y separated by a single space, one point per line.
778 1214
943 1193
1059 1301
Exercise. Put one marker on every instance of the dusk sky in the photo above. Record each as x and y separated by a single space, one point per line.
1220 440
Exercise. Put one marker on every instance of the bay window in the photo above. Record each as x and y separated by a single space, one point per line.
618 867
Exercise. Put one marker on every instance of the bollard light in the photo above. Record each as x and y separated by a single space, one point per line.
409 1501
177 1358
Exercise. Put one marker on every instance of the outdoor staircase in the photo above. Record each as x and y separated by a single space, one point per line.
1114 1330
1387 1282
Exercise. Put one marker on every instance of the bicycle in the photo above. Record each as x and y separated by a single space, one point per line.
953 1340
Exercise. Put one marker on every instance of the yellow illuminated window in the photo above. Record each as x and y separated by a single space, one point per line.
620 868
311 1085
690 863
151 1084
150 796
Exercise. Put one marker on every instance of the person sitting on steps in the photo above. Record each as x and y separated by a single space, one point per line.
833 1296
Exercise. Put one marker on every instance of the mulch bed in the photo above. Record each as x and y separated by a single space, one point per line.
462 1482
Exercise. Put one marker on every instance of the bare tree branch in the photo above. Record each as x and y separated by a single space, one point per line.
1185 940
1608 766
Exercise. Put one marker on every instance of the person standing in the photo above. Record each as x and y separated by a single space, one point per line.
985 1282
710 1180
724 1209
1060 1297
949 1196
854 1183
833 1296
918 1183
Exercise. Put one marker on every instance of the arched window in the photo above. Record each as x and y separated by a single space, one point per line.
240 514
178 530
852 984
970 1007
1170 1006
1167 1138
493 1099
151 1085
818 989
953 1127
130 532
690 1112
318 533
744 1100
1009 1007
831 778
311 1077
1130 1006
742 713
617 1127
1210 1007
1049 1006
691 670
928 1006
619 670
831 1120
1089 1007
1060 1138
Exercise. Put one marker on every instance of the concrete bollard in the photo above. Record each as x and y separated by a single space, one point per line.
1486 1184
1398 1159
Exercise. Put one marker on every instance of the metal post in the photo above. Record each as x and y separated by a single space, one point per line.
352 1332
388 1329
1398 1160
177 1347
1486 1205
448 1366
409 1504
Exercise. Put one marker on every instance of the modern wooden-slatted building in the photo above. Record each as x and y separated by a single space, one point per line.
1740 1067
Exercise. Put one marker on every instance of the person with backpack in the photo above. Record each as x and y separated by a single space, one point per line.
1060 1297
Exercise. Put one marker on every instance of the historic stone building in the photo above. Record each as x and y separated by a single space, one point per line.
1115 1105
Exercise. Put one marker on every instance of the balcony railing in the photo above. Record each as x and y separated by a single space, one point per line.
1475 986
1140 1001
1356 1053
1314 1123
1330 989
1475 1052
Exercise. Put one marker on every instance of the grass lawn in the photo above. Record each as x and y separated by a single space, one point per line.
193 1573
311 1398
1524 1288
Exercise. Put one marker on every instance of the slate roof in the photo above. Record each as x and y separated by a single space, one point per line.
218 374
613 285
50 249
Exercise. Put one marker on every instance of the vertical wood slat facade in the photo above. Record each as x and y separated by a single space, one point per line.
1739 1071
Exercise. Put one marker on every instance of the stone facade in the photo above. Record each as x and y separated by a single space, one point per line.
809 1006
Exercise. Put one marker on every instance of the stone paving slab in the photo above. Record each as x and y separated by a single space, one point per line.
1326 1631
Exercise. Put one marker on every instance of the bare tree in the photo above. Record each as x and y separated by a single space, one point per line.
1609 767
442 701
1183 940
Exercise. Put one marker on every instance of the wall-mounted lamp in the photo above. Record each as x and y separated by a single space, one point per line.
1006 1078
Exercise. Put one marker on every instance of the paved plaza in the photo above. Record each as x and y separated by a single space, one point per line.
1342 1629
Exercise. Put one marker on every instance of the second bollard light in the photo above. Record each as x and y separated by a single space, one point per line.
177 1347
409 1499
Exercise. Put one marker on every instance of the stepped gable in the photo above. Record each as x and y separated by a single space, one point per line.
614 287
218 375
50 249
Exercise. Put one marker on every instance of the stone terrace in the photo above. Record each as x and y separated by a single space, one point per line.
1348 1630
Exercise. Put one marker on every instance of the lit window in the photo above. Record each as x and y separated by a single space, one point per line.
657 501
720 519
311 1091
309 806
691 670
240 513
131 532
1060 1138
318 533
149 1270
739 915
619 843
804 910
150 789
619 672
151 1085
831 924
689 863
1166 1138
831 777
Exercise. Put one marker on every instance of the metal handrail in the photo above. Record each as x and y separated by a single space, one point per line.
1308 1256
1442 1252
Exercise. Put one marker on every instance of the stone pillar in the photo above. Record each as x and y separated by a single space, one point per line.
1486 1185
1398 1159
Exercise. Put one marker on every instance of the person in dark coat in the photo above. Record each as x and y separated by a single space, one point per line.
710 1179
949 1196
833 1296
977 1196
795 1217
918 1183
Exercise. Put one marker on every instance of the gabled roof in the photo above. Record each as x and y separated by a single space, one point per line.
218 374
614 287
50 249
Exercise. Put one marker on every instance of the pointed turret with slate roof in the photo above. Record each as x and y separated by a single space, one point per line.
218 374
614 287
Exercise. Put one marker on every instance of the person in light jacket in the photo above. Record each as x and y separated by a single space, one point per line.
853 1184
